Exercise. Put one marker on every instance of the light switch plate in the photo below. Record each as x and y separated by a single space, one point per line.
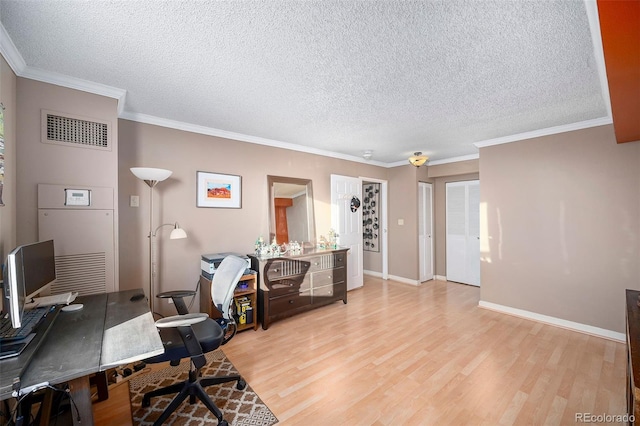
134 201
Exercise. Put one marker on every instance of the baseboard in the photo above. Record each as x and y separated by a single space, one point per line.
391 277
404 280
558 322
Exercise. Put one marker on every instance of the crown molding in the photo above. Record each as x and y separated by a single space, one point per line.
596 122
19 66
454 159
10 52
598 51
77 84
210 131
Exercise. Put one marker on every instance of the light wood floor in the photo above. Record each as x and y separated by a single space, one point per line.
403 355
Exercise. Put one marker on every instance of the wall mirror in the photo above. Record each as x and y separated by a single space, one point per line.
291 216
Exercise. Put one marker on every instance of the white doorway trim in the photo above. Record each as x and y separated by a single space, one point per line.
384 251
425 231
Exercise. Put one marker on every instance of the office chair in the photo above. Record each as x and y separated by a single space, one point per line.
192 335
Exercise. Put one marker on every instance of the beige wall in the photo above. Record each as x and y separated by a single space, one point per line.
452 169
8 211
54 164
210 230
185 153
403 206
560 217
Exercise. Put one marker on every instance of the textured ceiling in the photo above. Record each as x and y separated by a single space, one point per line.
339 76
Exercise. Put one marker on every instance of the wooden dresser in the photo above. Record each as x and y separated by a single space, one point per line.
633 354
289 285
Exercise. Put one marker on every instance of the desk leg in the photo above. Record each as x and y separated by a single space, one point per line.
45 408
81 393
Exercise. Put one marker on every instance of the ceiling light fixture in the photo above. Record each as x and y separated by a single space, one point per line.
417 159
367 154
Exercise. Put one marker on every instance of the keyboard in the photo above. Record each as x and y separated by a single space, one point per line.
30 319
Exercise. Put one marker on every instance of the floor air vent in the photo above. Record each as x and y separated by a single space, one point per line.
77 131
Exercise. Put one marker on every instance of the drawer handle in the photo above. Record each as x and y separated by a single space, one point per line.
316 263
330 276
275 270
291 302
339 259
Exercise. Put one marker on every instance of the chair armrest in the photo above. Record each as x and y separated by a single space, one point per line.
178 299
181 320
176 293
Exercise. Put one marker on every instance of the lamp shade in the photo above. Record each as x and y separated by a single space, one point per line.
417 159
150 173
177 233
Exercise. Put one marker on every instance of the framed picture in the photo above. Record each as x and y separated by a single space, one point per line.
218 190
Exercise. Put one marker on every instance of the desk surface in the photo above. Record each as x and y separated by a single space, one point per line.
109 330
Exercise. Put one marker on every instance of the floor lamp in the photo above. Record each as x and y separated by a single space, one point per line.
151 176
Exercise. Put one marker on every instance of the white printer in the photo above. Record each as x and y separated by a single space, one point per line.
210 262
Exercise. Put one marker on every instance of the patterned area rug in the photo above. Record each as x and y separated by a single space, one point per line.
239 408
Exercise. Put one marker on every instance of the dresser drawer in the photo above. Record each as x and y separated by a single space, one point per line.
283 304
326 261
340 259
320 294
328 277
288 285
280 268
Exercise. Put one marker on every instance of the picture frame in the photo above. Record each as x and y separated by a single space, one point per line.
217 190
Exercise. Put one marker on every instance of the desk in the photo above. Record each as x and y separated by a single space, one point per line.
110 330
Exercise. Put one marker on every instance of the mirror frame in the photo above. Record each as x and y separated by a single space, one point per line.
311 224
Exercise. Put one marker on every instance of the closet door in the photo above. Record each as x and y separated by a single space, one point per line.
463 232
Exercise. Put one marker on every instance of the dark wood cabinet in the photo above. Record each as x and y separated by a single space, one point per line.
290 285
633 355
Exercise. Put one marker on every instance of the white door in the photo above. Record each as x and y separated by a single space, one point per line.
348 224
425 229
463 232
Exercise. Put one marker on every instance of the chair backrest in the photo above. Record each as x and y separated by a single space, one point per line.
225 281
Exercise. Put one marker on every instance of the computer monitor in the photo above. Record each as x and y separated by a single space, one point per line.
31 268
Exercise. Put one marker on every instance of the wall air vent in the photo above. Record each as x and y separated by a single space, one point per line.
84 273
65 129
